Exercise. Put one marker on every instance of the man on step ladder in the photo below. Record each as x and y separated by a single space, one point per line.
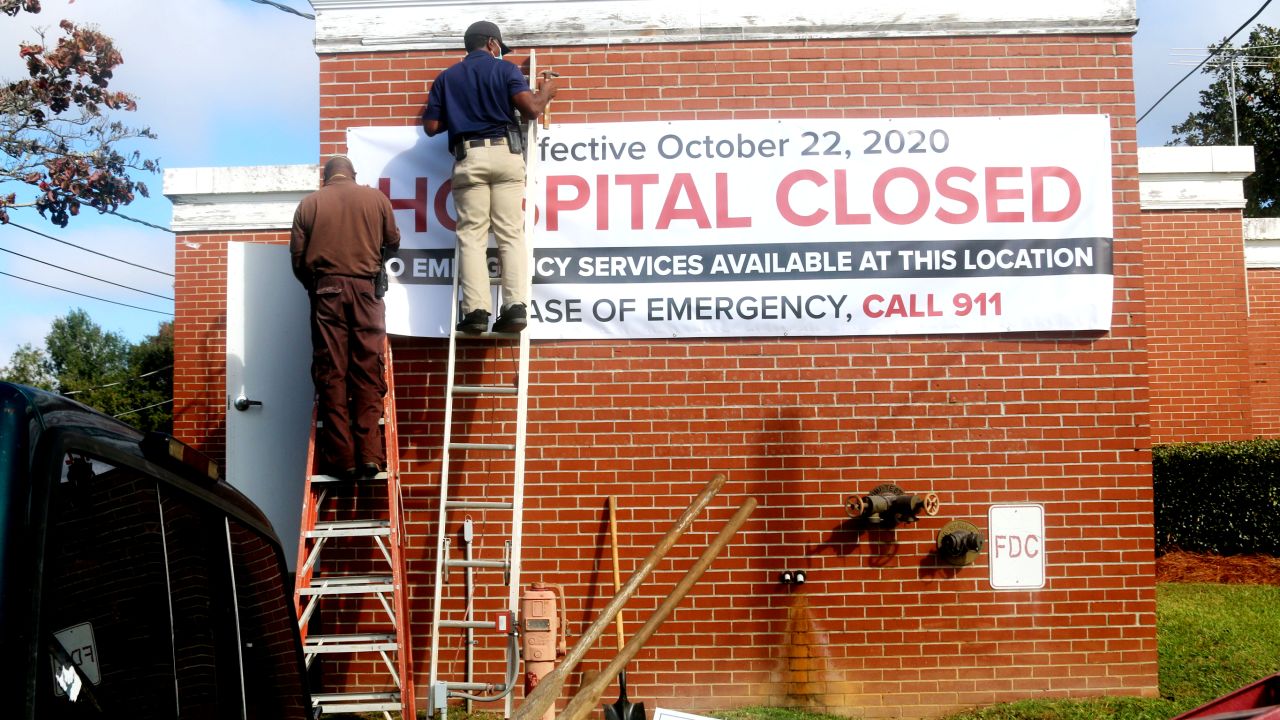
472 100
339 235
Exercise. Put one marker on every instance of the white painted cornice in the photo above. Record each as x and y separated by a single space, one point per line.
369 25
1191 178
223 199
1262 242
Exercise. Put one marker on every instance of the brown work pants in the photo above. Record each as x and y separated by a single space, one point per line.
348 330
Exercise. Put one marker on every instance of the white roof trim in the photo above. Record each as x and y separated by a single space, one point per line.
365 25
1262 242
1191 178
260 197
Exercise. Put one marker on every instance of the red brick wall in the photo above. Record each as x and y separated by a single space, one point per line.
1198 346
882 628
1264 350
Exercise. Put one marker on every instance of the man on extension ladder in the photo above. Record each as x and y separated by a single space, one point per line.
473 101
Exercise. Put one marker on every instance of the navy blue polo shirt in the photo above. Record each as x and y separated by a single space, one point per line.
472 98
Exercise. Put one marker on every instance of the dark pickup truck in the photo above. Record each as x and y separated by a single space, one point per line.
135 582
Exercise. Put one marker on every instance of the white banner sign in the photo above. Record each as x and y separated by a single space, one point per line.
781 227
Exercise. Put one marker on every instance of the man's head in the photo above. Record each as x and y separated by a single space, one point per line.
339 165
481 34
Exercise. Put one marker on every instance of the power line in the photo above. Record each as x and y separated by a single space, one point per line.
151 224
91 297
285 8
81 247
119 382
91 277
138 410
1217 50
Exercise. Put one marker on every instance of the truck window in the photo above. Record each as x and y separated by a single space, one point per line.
206 657
105 597
273 685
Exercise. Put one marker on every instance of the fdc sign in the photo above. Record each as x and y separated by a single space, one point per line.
1017 546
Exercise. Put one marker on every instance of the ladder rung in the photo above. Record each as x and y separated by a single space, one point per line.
478 505
485 390
487 335
351 528
473 686
356 702
348 585
473 624
482 446
493 564
349 643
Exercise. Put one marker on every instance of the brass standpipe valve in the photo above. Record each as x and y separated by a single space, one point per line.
959 542
889 504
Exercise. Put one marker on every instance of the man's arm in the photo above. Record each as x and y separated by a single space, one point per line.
390 233
298 239
434 111
532 104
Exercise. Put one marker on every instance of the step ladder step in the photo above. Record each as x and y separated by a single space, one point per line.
349 643
356 702
348 585
331 479
478 505
351 528
482 446
485 390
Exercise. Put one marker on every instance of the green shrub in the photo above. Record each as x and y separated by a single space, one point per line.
1222 498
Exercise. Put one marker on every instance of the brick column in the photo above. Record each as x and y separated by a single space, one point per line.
1198 349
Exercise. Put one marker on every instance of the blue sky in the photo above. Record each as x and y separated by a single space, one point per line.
221 82
233 82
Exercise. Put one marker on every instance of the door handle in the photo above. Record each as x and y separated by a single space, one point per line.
243 403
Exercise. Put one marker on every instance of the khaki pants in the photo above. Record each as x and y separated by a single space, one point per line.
488 193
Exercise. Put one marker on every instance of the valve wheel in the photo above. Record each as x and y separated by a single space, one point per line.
932 504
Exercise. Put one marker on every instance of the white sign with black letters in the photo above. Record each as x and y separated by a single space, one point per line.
1016 546
781 227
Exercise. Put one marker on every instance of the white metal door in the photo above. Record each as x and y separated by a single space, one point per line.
269 372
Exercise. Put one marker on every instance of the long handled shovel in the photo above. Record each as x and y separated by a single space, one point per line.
622 709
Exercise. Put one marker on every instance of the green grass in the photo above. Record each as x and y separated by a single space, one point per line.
1215 638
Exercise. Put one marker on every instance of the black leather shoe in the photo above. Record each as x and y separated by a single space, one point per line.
476 321
513 319
369 471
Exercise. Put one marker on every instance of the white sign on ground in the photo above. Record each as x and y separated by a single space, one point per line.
665 714
1016 546
809 227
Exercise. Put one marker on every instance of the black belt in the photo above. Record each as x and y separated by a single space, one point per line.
481 142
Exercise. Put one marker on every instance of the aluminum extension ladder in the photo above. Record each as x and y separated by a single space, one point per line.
506 406
351 560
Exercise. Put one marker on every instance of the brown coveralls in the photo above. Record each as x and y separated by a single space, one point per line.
338 235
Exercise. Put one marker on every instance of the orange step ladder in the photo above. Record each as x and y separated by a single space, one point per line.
351 573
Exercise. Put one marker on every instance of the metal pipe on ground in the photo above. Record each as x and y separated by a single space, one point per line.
584 703
548 689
